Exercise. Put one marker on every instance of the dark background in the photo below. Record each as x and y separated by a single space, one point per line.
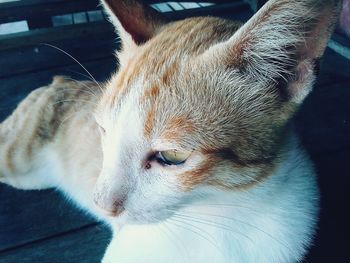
41 226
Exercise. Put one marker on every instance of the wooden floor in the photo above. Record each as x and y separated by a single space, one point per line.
44 227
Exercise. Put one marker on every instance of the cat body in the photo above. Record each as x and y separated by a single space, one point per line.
188 151
40 140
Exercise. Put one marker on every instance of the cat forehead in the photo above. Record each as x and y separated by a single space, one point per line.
168 57
168 60
175 42
192 35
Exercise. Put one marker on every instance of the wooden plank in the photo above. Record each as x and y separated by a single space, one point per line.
19 61
27 216
236 11
34 9
86 245
34 37
14 89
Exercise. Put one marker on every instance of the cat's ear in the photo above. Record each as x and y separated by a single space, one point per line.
134 21
281 44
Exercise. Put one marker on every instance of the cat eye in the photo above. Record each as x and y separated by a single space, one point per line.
172 157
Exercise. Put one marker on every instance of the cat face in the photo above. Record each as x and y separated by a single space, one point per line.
201 103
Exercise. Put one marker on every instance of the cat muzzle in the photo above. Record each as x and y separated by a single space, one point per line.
108 207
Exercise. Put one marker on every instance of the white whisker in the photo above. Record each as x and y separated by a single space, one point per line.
240 222
172 237
211 223
69 55
91 91
190 227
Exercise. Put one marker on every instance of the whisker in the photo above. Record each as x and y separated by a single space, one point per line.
170 236
243 223
67 118
227 205
189 228
88 92
75 100
92 92
89 78
69 55
214 224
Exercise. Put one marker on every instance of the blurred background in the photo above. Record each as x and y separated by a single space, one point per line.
42 226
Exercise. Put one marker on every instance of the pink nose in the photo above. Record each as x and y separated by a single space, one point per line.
108 206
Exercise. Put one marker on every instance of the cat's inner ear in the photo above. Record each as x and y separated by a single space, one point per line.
134 21
281 44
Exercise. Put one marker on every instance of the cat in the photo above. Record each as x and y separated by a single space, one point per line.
188 152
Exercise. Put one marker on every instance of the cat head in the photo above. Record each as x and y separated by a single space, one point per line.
203 102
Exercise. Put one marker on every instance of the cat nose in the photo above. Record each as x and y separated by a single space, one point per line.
110 207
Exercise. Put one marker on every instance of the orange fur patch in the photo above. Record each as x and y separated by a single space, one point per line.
9 157
230 155
150 122
169 73
264 173
197 176
178 127
121 86
151 93
204 174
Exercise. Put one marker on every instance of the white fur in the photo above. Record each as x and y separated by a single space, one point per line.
273 223
42 174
